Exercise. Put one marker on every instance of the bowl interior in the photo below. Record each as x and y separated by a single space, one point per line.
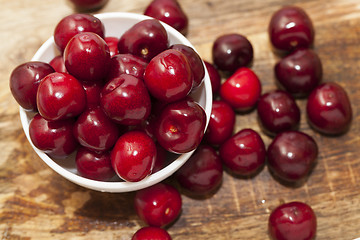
115 25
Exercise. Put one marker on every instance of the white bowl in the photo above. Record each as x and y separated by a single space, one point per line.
115 25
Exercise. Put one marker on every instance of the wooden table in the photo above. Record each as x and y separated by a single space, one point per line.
36 203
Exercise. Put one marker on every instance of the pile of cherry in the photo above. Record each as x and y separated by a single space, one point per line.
105 95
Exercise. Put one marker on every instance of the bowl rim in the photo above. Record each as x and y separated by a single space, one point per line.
122 186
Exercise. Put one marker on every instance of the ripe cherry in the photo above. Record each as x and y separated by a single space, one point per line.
92 90
88 5
151 233
215 77
58 64
112 43
127 64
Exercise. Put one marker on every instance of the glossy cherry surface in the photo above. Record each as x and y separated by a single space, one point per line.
221 124
241 90
25 80
329 109
299 72
292 221
88 5
215 77
60 96
196 64
180 126
292 155
76 23
112 43
151 233
170 12
94 165
87 57
133 156
58 64
92 91
145 39
127 64
168 76
202 173
126 100
53 137
290 28
277 112
244 153
232 51
158 205
94 130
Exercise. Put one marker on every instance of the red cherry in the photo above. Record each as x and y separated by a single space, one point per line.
170 12
133 156
292 221
112 43
202 173
92 91
161 158
94 165
25 80
60 96
158 205
214 75
241 90
151 233
58 64
168 76
127 64
329 109
88 5
244 153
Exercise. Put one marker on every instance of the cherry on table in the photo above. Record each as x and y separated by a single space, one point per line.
148 233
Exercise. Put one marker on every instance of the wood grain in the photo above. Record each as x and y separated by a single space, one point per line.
36 203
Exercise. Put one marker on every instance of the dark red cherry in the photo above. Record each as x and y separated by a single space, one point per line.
168 76
244 153
277 112
299 72
292 221
196 64
112 43
202 173
76 23
221 124
94 130
87 57
145 39
170 12
53 137
127 64
329 109
94 165
181 126
241 90
214 75
60 96
133 156
158 205
160 161
151 233
25 80
126 100
232 51
58 64
88 5
290 28
92 91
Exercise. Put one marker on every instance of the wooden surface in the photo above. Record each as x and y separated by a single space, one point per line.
36 203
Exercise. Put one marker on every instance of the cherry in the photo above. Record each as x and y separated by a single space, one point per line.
87 57
168 76
128 64
126 100
215 77
292 221
151 233
60 96
145 39
299 72
92 91
196 64
160 161
58 64
221 124
202 173
329 109
170 12
292 155
94 130
133 156
244 153
76 23
88 5
241 90
158 205
232 51
94 165
112 43
25 80
277 112
53 137
180 126
290 28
